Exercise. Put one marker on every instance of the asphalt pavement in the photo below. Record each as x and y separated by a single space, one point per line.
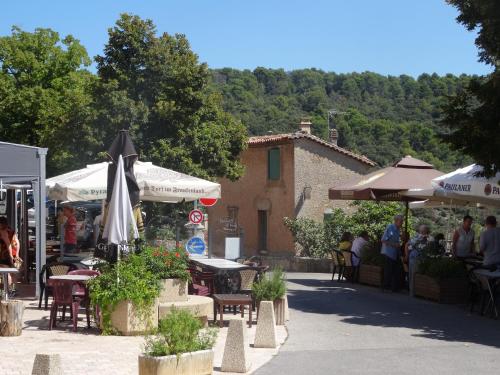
342 328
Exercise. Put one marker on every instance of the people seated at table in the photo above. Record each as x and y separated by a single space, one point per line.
440 243
413 250
391 247
357 246
9 248
489 243
463 239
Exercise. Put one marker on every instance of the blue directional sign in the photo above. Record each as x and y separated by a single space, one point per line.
196 245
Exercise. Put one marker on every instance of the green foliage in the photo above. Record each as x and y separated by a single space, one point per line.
371 254
317 239
127 280
386 117
471 118
441 267
155 86
309 234
180 332
270 287
167 264
46 96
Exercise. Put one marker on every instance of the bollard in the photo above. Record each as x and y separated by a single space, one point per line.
235 358
47 364
265 334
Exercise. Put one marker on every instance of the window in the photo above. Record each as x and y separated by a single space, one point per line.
262 229
273 164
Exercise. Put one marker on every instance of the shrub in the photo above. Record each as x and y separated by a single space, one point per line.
167 264
309 234
180 332
442 268
371 255
270 287
127 280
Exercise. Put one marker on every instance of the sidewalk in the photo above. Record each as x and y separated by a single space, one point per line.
86 352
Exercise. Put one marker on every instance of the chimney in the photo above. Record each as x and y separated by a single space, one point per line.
305 126
333 136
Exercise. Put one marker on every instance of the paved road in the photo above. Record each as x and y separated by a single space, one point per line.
340 328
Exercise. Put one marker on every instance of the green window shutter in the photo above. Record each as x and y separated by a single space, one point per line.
273 164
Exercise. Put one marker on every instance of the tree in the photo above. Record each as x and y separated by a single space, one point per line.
45 95
155 86
473 116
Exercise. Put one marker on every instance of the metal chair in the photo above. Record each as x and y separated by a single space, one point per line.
350 271
338 264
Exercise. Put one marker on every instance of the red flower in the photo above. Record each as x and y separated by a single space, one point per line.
156 253
177 255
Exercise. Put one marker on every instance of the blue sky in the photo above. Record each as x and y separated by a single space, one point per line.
384 36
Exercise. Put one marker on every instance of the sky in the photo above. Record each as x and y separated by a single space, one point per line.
390 37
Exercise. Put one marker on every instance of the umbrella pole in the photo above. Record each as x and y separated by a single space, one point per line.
407 204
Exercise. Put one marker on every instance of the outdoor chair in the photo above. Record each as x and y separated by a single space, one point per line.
350 272
487 293
248 277
475 288
202 283
52 269
80 290
63 297
338 264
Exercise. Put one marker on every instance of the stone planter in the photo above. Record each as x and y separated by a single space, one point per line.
128 322
452 291
173 290
370 275
280 313
195 363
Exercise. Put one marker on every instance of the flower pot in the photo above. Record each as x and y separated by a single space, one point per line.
128 321
173 290
280 313
453 290
370 275
194 363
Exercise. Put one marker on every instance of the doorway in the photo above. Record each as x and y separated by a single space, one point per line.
262 229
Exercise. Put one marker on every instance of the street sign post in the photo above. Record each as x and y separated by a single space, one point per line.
196 245
196 217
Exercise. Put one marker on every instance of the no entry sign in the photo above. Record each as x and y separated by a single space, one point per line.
208 202
196 217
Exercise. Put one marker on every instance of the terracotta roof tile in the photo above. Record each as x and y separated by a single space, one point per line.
280 138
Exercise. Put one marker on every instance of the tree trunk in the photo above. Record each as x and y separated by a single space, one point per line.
11 318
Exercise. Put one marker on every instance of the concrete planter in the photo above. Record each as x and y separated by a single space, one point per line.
128 322
453 291
194 363
173 290
370 275
280 313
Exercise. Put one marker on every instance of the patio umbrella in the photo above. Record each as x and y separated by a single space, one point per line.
156 184
390 183
120 225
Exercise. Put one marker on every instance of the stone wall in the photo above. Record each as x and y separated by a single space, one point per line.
298 264
321 168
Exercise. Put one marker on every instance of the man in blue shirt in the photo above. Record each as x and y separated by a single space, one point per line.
391 245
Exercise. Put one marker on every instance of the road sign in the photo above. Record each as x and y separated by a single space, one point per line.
196 217
208 202
196 245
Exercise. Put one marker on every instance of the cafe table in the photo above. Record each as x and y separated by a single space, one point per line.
5 280
226 272
72 277
487 278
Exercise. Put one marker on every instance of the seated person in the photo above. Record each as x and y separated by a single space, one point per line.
357 246
346 242
9 245
489 244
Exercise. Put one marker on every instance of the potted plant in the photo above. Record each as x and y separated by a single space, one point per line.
126 294
171 267
441 279
179 346
272 287
371 266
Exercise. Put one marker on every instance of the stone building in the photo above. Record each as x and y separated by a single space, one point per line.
286 175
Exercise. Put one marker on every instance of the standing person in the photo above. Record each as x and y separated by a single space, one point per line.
357 246
489 244
69 230
9 249
413 251
391 245
463 239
